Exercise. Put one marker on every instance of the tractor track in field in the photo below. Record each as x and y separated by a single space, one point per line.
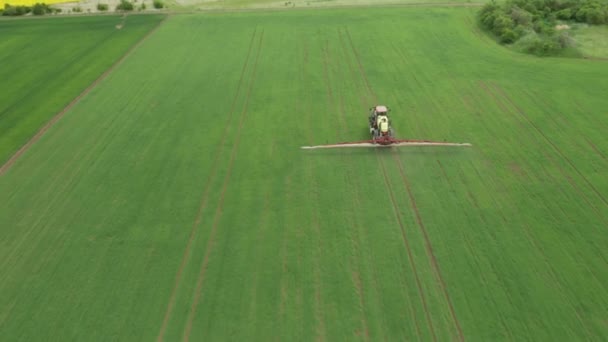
63 175
504 95
580 192
356 75
407 245
572 183
597 151
373 97
283 254
205 196
255 259
577 188
469 246
354 239
545 259
557 150
428 245
320 328
11 161
535 96
218 212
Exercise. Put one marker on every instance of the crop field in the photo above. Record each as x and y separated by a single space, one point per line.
47 63
31 2
173 201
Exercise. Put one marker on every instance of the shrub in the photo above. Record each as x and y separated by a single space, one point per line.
158 4
530 24
142 7
595 16
41 9
520 16
565 40
102 7
535 44
13 11
502 23
565 14
124 6
508 36
77 9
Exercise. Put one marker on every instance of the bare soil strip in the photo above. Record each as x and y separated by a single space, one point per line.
4 168
218 212
429 247
205 197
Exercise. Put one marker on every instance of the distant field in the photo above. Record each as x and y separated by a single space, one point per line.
173 202
47 63
31 2
236 4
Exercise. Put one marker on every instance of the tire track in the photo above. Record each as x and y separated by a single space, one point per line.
544 258
7 165
407 245
218 212
535 96
548 141
429 248
574 185
56 189
365 104
319 314
356 277
468 244
205 197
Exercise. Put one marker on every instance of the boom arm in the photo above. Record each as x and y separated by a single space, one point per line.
389 143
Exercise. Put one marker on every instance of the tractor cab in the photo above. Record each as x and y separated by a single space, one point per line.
379 122
378 113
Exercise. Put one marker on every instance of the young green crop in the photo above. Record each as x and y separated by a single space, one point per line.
48 62
173 201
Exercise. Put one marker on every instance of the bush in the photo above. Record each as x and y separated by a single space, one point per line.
530 24
77 9
508 36
537 45
595 16
565 40
142 7
124 6
565 14
41 9
13 11
158 4
502 23
102 7
520 16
